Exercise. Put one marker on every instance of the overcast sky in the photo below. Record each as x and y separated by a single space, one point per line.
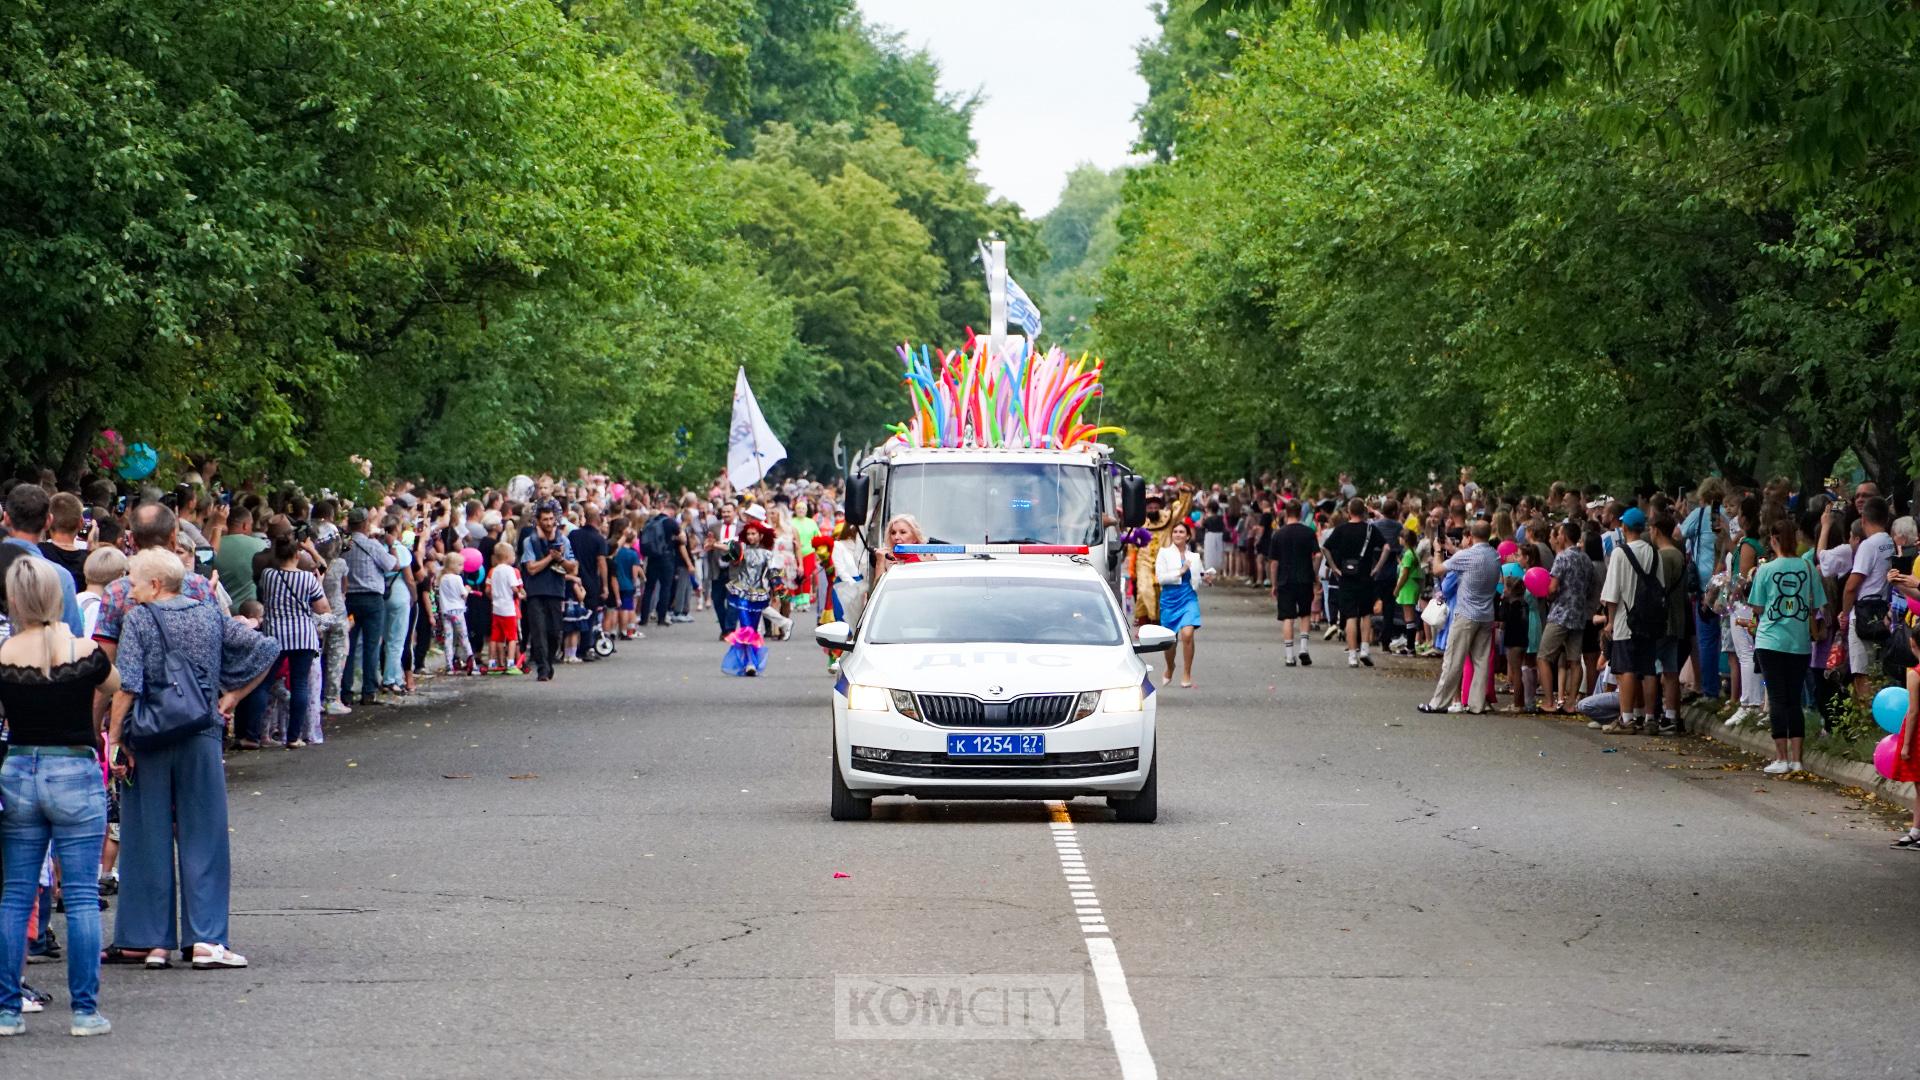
1058 77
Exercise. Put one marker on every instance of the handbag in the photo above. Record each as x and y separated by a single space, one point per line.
1435 613
177 702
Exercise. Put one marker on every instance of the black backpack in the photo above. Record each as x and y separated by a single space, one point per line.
1647 615
653 538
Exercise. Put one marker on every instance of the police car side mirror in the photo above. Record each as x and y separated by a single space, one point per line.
1133 501
833 635
859 493
1152 639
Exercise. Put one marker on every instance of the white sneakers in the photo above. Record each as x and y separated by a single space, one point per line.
1740 716
1781 768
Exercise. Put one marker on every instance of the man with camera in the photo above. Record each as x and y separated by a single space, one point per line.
546 561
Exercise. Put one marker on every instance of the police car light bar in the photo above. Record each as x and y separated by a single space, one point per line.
991 549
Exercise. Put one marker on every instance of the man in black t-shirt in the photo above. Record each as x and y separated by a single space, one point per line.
1354 551
1293 550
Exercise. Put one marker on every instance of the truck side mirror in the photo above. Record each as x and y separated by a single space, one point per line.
1133 502
859 493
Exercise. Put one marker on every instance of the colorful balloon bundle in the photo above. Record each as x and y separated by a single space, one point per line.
1019 399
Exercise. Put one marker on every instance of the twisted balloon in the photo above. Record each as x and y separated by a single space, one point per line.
1019 398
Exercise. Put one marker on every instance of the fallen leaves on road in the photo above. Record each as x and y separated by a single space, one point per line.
525 776
456 776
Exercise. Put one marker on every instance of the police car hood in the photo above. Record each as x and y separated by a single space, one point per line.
976 668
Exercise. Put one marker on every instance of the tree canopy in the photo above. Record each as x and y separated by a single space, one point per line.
1344 261
465 238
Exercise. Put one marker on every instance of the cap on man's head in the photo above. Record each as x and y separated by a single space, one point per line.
357 517
1633 519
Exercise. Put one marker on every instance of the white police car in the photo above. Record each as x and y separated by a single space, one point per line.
985 676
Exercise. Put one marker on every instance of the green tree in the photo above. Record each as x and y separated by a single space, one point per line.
1350 263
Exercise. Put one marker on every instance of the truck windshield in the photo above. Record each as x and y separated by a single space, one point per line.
998 502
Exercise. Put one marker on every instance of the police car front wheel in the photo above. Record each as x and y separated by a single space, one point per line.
846 806
1144 806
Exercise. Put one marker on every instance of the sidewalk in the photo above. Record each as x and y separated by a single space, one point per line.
1702 718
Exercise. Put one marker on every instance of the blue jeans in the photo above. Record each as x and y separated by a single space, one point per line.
299 691
250 716
369 611
62 801
1706 626
178 797
399 623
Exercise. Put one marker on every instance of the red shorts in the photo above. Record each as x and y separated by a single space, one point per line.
505 628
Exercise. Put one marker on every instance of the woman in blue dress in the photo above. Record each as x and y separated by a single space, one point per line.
1178 568
753 578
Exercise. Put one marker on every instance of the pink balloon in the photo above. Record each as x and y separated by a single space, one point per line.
1508 549
1884 755
470 561
1537 579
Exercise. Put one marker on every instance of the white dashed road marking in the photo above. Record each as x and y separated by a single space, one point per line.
1123 1021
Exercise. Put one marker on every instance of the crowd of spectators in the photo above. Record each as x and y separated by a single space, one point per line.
232 619
1771 601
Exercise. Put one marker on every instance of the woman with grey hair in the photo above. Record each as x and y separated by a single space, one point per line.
177 791
1906 537
53 688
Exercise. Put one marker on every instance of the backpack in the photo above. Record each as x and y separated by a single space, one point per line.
1647 615
1390 568
653 538
178 702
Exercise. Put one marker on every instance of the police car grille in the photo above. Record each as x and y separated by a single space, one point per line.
959 710
921 766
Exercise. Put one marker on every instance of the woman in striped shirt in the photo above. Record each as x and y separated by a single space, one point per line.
293 596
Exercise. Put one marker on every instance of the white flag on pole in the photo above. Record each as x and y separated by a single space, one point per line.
752 447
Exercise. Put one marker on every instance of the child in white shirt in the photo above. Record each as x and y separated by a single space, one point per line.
453 616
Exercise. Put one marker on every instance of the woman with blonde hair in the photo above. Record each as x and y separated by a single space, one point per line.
902 529
54 688
786 555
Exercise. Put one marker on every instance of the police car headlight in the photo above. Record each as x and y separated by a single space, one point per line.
1125 699
1085 704
867 698
904 704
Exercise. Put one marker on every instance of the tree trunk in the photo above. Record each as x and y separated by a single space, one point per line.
79 440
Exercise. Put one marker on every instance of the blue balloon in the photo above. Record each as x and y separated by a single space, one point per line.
1890 708
139 462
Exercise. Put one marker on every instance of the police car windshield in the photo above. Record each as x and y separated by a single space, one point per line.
998 502
1019 610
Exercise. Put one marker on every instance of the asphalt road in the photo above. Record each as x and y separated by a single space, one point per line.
629 872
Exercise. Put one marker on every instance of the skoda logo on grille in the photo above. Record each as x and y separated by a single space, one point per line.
994 691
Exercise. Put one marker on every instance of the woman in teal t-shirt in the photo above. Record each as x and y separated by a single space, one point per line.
1785 593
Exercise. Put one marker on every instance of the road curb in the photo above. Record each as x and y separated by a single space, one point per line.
1705 720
